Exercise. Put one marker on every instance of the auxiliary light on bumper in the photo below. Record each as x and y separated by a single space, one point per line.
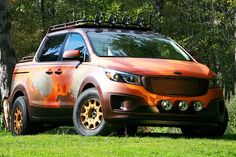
166 105
183 106
198 106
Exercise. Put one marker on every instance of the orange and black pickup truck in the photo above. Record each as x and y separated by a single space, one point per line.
101 76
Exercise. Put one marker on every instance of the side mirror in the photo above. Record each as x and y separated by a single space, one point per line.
72 55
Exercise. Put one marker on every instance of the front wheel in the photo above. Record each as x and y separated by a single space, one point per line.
87 114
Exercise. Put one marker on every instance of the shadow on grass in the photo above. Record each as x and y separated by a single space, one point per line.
231 137
158 135
71 131
61 130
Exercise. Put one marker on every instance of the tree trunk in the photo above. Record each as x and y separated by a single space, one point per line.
7 60
43 15
156 19
159 6
235 45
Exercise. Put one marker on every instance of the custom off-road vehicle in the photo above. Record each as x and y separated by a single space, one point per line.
104 75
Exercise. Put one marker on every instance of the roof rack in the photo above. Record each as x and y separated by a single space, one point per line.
98 23
26 59
68 25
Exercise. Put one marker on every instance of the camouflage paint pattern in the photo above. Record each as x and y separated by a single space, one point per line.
57 91
46 89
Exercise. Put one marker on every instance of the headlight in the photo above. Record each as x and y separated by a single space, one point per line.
123 77
214 82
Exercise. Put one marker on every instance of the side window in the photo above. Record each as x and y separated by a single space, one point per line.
76 42
52 48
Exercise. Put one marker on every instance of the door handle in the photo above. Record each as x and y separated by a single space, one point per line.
49 72
58 72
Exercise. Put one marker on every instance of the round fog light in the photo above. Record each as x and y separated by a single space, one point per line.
198 106
183 105
166 105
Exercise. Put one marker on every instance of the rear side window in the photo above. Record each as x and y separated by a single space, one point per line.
52 48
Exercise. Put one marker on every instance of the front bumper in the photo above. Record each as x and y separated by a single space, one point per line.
126 109
171 120
124 104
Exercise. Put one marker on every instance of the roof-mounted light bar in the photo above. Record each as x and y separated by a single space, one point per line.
99 19
140 21
113 21
127 20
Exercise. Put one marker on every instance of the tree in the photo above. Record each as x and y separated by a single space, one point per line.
7 59
42 12
205 27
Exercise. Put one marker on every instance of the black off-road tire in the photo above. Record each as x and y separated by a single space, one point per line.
88 102
207 132
20 123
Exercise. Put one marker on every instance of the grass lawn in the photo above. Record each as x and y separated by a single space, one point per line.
147 145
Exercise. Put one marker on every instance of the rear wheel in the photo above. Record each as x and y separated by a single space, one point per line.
19 117
207 132
88 116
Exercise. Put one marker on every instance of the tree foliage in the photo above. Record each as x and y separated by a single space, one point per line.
204 27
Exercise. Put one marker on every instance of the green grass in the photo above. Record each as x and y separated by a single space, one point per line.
144 146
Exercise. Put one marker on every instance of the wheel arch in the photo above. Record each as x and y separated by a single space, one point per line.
89 82
18 91
87 86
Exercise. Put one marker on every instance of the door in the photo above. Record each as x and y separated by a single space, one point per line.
45 73
67 81
52 87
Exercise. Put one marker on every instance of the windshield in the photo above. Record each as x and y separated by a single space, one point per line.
126 44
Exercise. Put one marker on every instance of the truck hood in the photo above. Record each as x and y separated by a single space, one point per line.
154 67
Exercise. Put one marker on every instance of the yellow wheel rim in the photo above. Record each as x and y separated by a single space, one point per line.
91 114
18 120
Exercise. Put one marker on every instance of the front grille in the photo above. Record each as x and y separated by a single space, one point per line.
182 86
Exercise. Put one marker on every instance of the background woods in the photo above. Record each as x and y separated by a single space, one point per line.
204 27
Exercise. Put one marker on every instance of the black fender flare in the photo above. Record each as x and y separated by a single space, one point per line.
90 80
22 89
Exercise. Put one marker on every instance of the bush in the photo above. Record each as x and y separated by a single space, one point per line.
231 106
168 130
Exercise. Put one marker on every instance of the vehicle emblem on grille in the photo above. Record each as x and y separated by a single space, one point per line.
177 73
